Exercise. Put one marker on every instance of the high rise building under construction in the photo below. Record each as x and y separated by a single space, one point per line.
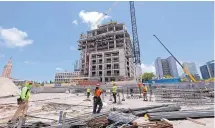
106 53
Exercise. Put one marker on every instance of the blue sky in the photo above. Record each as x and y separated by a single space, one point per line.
42 36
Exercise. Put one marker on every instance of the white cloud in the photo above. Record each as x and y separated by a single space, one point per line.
72 48
59 69
14 38
75 22
92 18
147 68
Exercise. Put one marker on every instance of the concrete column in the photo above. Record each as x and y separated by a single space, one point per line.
114 41
121 63
103 67
90 74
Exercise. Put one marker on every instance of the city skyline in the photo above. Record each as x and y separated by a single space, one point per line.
47 40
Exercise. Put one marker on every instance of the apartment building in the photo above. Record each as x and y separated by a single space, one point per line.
106 53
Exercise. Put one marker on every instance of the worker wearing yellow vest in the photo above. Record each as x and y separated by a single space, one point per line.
145 92
97 100
114 91
22 102
88 92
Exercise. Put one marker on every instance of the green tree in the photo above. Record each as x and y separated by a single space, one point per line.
147 76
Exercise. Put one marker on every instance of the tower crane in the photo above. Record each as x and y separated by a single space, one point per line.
136 47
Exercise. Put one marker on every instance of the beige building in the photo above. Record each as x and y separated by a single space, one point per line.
106 53
66 77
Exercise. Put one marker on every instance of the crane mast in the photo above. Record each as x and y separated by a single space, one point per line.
136 47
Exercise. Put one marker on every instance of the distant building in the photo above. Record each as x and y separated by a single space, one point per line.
7 69
166 67
192 69
207 70
204 72
77 65
19 82
65 77
210 66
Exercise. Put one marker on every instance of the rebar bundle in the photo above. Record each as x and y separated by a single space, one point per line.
184 96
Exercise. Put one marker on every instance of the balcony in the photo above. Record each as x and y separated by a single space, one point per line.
116 74
108 68
116 67
108 74
108 61
115 60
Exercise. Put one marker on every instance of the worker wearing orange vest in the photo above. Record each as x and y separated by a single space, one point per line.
97 100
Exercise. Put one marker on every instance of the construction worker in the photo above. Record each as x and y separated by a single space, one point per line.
88 92
144 92
150 92
114 91
97 100
140 88
22 102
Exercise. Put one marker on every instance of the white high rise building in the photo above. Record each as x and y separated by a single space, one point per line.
166 67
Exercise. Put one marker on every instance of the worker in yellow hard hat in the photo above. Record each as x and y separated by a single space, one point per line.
22 101
114 91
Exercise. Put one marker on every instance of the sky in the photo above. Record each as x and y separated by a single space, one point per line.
42 37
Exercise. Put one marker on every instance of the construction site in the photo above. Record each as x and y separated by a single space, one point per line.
108 54
68 107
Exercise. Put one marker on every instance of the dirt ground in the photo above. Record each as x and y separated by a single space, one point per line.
44 105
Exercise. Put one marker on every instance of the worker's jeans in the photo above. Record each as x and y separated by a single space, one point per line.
114 97
88 94
140 89
144 96
21 111
97 101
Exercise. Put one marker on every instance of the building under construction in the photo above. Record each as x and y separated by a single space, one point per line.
106 53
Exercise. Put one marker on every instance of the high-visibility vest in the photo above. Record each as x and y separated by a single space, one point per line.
97 92
145 88
88 90
114 89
